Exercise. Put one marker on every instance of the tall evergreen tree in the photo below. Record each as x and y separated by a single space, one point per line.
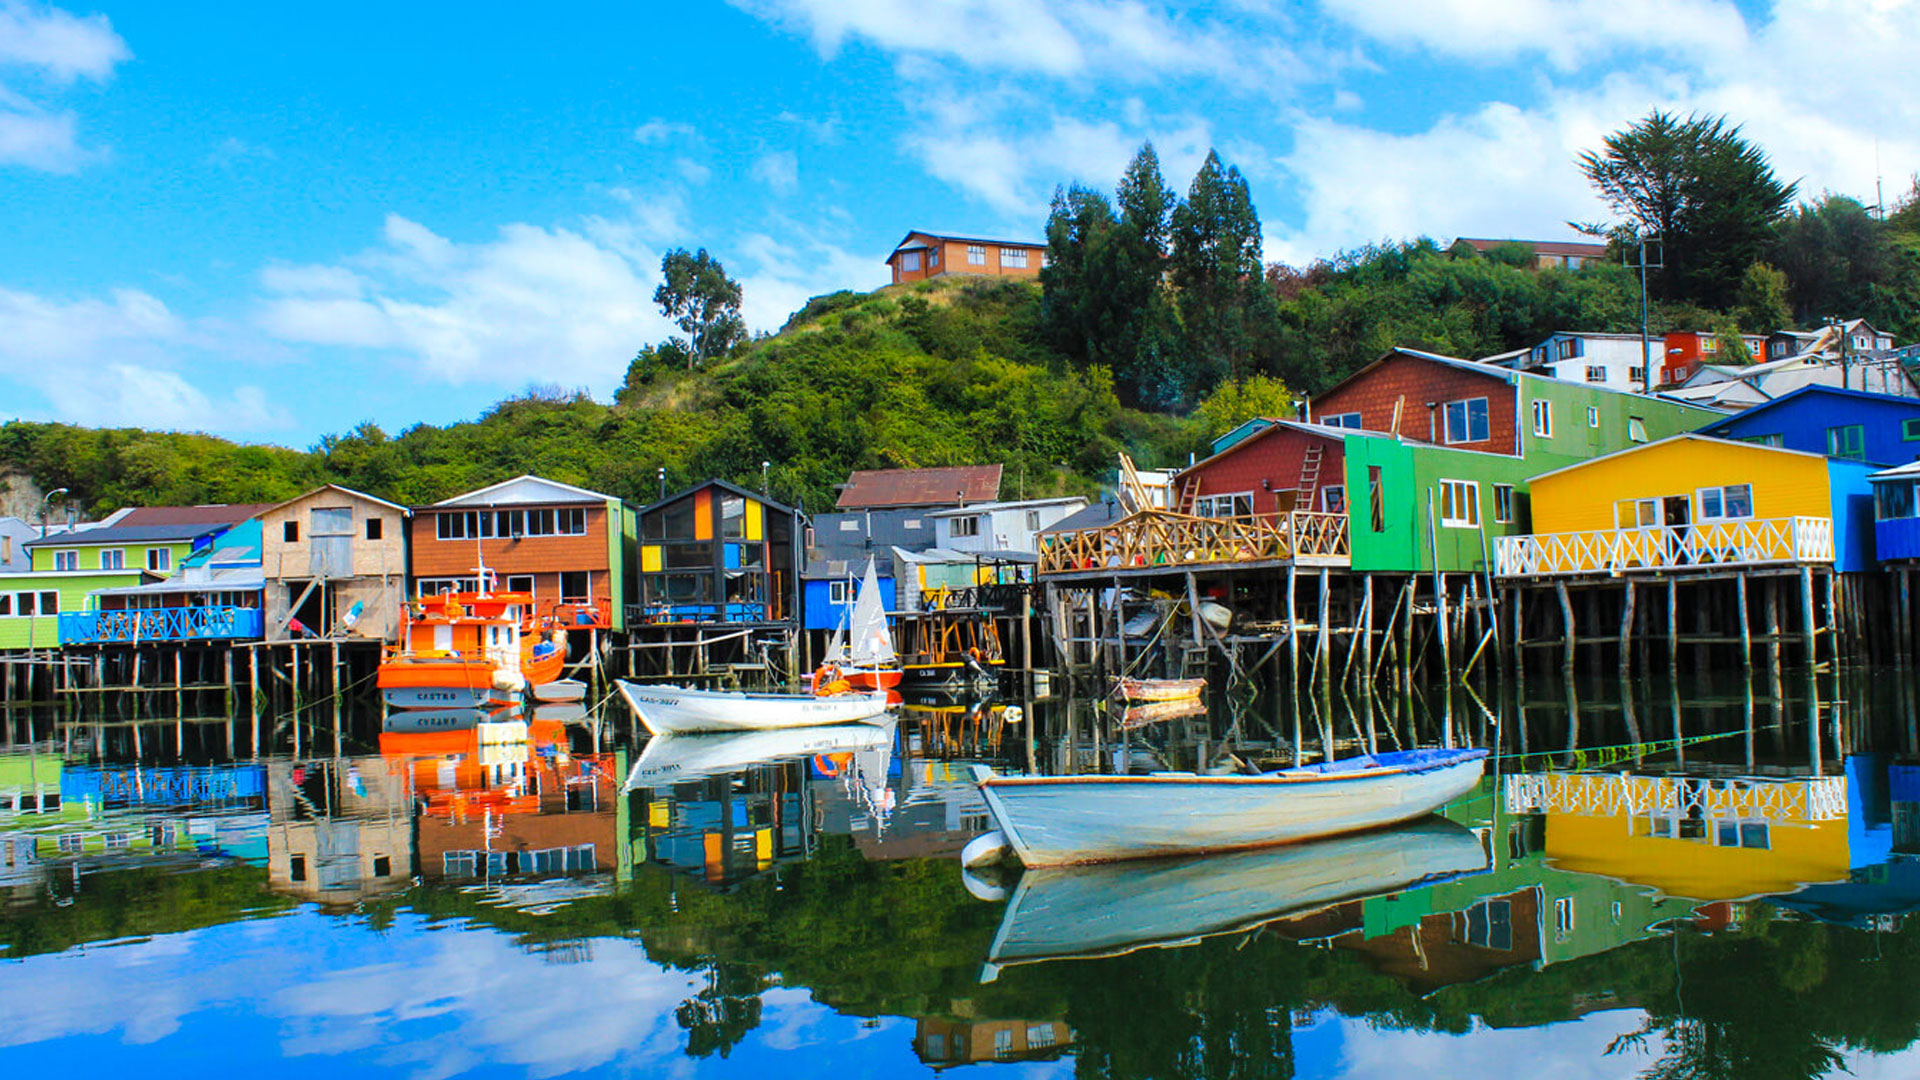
1228 313
1143 337
1078 224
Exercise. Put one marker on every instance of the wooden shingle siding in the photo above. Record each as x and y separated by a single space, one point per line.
1413 384
1271 458
433 557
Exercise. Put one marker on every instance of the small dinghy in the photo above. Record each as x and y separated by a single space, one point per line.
559 690
1059 820
1157 690
674 710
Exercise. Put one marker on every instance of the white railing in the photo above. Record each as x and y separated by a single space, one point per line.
1746 542
1820 798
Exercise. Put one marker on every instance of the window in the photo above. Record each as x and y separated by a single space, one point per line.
382 866
1636 429
1891 500
455 525
1637 375
850 525
1033 521
1709 345
1459 504
1333 499
1467 420
1002 1042
1596 373
910 523
571 522
1377 499
160 559
1636 513
1503 502
837 593
113 559
1766 440
72 843
1722 503
1490 924
1563 917
374 528
520 583
1593 416
967 526
1910 429
976 254
1847 441
933 257
1543 419
1342 420
1039 1036
1014 257
290 532
66 560
909 261
1239 504
1568 348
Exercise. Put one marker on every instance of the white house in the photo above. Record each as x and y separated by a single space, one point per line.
1000 527
1615 361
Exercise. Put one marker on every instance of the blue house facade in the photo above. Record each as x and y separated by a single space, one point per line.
1896 513
1853 425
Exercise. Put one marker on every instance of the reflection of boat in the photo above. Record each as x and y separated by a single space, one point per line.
1050 820
465 649
1136 716
1091 911
1154 690
677 710
561 712
673 759
415 721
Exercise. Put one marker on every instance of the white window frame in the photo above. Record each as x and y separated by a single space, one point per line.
1542 419
976 254
1466 420
1236 504
837 593
1331 494
1596 373
1637 375
1013 257
1033 521
966 525
1456 496
160 560
1719 495
909 262
1646 514
70 557
1593 416
1503 503
1342 420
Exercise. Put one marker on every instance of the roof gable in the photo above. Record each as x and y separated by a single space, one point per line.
723 485
347 491
527 490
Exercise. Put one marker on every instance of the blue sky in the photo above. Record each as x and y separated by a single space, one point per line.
273 225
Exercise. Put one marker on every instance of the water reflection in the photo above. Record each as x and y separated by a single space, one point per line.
1715 890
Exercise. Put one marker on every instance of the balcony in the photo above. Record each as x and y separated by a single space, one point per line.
584 614
1153 540
134 626
1762 542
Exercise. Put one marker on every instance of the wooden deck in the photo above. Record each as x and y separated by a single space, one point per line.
1158 540
1707 545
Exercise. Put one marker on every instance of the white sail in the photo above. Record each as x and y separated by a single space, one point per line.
872 641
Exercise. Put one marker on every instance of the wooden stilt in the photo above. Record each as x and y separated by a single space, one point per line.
1807 617
1746 634
1567 633
1626 630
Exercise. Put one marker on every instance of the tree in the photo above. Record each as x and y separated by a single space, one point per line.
1707 193
1142 329
702 301
1078 225
1228 313
1841 262
1760 305
1237 401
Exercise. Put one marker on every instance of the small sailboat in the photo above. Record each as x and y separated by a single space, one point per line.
1076 912
675 710
1058 820
868 662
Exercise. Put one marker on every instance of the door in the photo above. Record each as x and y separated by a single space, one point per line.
1676 513
330 543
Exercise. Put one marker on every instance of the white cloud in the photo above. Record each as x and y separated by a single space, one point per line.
46 45
533 303
777 276
1570 34
654 131
692 171
111 362
779 170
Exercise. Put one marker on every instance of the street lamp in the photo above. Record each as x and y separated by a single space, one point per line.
763 479
44 500
663 481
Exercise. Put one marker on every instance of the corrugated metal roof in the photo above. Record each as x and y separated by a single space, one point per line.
224 514
957 485
129 534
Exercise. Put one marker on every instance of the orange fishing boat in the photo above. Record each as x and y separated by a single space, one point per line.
467 649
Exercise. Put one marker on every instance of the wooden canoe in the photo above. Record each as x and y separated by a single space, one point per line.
1151 690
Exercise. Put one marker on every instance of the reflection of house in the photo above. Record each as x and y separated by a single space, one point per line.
342 829
1447 947
718 553
568 546
330 552
727 828
939 809
940 1042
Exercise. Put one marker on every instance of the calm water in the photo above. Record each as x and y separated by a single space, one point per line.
1708 883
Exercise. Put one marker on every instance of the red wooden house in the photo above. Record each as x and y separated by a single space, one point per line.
1428 398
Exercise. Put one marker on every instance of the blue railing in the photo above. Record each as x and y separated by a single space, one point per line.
158 624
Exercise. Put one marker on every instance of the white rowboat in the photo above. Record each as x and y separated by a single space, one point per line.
1059 820
1064 912
674 710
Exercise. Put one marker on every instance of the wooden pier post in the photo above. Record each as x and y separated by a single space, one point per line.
1746 636
1806 615
1567 634
1673 629
1626 631
1293 648
1323 645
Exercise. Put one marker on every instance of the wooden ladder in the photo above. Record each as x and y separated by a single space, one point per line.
1189 485
1309 478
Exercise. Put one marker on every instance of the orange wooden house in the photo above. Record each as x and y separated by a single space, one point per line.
922 255
570 547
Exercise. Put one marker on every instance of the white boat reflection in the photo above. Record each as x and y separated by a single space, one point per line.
674 759
1109 909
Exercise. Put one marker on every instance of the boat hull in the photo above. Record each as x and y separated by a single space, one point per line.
442 697
559 690
872 678
1056 821
1065 912
677 711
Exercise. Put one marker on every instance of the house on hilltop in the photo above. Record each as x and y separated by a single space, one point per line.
1547 254
922 255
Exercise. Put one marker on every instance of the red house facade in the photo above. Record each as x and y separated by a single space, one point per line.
1430 399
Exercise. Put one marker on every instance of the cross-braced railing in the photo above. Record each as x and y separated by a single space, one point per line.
1155 538
134 625
1820 798
1745 542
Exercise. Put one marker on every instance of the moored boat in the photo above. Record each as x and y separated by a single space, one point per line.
1071 912
469 649
868 662
680 710
1156 690
1058 820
